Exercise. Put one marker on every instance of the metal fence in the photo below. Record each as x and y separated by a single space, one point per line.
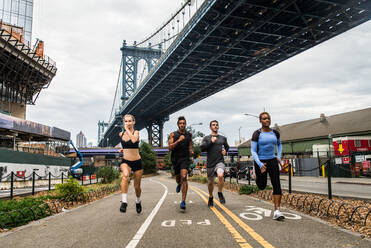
34 177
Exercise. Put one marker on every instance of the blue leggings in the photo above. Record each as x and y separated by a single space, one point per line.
274 174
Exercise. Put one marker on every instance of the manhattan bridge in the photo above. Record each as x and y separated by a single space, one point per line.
209 45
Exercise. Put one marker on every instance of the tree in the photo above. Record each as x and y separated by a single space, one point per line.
196 145
148 158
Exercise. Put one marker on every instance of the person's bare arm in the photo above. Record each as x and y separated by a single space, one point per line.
172 144
133 137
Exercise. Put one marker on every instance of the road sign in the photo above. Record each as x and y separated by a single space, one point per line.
366 164
338 160
346 160
360 158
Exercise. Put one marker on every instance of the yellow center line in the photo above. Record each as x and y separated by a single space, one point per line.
242 224
236 235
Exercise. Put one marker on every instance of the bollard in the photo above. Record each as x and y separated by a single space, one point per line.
90 178
82 180
11 184
290 191
329 180
33 182
62 177
50 180
249 175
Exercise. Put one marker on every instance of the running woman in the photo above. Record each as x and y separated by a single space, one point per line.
131 162
216 147
263 144
181 147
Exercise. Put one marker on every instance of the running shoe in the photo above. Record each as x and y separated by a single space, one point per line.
211 202
277 215
183 205
139 207
178 188
221 198
123 207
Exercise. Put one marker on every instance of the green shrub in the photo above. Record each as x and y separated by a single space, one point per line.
20 211
248 189
69 189
108 174
148 158
204 179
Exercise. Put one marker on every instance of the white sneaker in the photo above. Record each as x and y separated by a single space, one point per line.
277 215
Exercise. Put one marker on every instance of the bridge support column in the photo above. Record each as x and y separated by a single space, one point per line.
156 132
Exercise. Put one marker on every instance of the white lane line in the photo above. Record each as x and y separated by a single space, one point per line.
133 243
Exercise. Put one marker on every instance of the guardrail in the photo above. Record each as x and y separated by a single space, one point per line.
12 177
323 207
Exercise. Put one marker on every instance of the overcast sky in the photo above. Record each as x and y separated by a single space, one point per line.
84 38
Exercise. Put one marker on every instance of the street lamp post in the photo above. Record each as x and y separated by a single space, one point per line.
252 115
239 136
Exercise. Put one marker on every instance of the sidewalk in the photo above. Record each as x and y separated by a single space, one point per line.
344 180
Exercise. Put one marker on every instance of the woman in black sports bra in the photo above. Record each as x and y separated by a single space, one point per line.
131 162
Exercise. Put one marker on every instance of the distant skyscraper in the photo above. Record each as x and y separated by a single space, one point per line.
80 140
18 13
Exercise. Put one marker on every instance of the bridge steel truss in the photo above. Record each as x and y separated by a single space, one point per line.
131 55
229 41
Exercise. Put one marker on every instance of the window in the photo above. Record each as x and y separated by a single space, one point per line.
358 143
29 9
22 8
7 5
15 5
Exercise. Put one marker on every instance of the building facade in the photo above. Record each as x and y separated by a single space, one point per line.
80 140
18 13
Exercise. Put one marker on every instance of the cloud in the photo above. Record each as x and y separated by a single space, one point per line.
84 38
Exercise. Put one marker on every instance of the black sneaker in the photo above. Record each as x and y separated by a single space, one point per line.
139 207
221 198
123 207
211 202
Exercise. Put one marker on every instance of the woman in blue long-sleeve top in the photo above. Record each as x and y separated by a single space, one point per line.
263 144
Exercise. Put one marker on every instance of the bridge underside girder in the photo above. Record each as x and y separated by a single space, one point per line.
230 41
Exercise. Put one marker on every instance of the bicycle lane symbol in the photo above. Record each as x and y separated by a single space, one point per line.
258 213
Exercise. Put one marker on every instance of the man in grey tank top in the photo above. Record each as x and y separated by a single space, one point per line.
216 147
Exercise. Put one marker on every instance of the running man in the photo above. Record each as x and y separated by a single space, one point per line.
263 144
181 147
216 147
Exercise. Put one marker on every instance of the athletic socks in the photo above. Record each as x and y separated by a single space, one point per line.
124 198
138 200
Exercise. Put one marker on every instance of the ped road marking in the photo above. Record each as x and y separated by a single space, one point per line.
236 235
242 224
137 237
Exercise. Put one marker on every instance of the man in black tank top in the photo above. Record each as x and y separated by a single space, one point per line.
181 147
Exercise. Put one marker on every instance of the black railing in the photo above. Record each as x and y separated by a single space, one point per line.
34 177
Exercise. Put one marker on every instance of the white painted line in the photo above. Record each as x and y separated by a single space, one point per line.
137 237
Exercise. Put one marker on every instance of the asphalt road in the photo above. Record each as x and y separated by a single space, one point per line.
242 222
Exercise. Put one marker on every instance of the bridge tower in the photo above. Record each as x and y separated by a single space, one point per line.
131 55
101 126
